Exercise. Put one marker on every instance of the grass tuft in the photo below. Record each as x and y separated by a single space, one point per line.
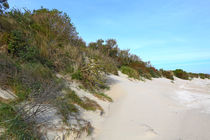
132 73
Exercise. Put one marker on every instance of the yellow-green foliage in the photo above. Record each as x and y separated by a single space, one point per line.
130 72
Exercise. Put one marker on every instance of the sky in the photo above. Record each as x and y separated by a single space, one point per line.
170 34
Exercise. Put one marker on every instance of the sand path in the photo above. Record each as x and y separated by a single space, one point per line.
157 110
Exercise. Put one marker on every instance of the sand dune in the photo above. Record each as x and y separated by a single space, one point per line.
157 110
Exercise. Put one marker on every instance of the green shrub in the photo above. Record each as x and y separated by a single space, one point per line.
193 75
203 76
8 70
6 112
77 75
167 74
68 69
85 103
14 126
144 70
154 73
21 90
18 46
147 76
37 71
130 72
66 104
17 42
65 108
181 74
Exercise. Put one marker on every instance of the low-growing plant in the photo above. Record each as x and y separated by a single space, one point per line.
167 74
181 74
77 75
153 72
193 75
8 70
132 73
15 127
91 104
203 76
103 96
83 102
65 108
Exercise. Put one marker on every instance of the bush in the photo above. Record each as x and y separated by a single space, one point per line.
144 71
8 70
77 75
84 102
132 73
153 72
19 47
181 74
65 108
203 76
15 127
193 75
167 74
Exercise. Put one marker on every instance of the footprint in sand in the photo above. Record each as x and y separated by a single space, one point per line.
149 132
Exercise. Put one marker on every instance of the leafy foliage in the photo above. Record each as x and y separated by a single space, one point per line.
3 6
167 74
130 72
181 74
15 126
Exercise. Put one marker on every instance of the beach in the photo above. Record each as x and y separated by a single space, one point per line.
158 109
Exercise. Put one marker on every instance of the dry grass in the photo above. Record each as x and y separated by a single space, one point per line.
103 97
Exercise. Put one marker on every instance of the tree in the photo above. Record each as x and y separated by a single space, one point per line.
3 6
112 47
112 43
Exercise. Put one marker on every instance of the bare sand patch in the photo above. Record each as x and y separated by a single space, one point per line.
156 110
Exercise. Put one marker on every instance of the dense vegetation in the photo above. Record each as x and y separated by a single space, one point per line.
36 45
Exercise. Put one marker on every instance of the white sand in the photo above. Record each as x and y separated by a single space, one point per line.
151 110
156 110
7 95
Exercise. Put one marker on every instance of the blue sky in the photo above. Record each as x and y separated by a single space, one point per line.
169 33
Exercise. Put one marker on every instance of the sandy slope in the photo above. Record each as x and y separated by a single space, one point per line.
157 110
